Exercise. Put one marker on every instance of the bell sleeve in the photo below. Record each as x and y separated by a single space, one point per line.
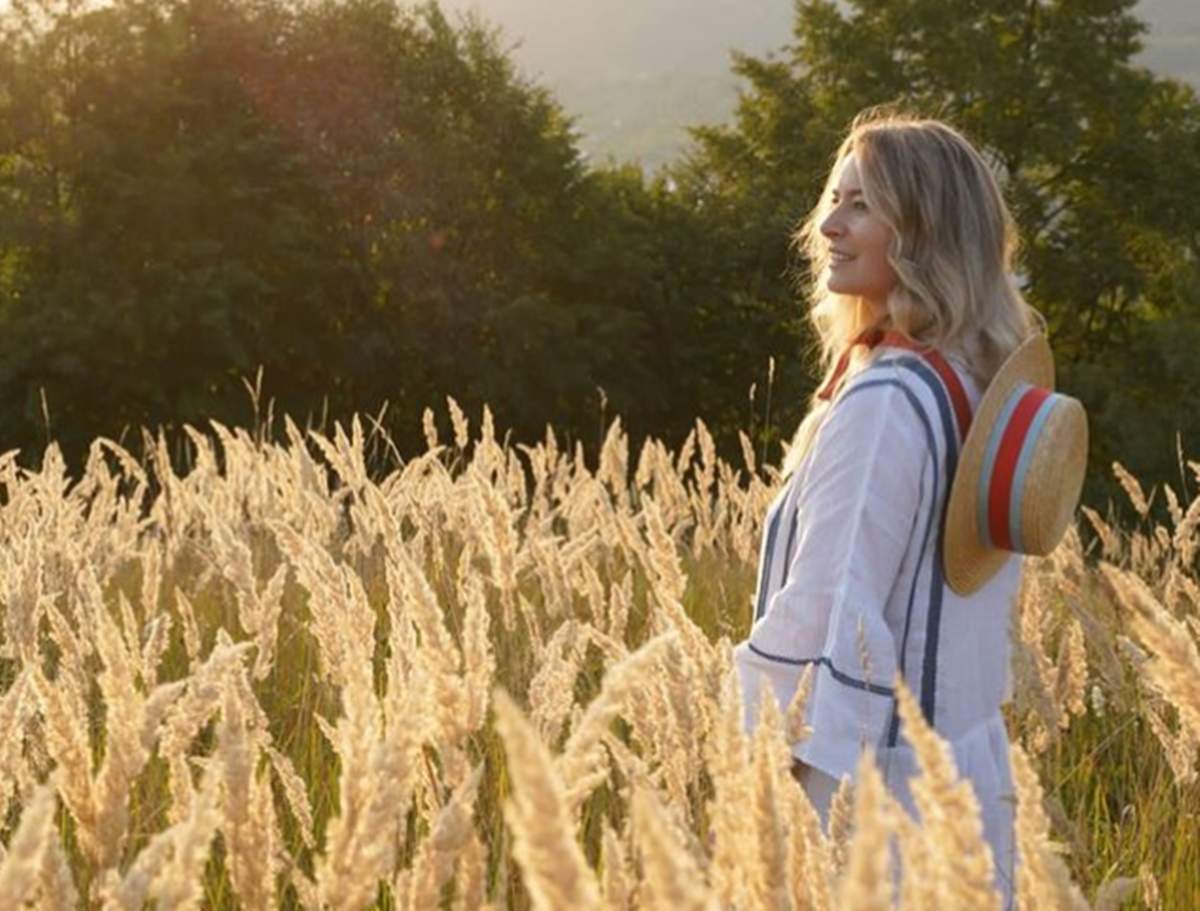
856 513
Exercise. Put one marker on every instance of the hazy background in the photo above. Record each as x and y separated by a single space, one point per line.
636 73
380 206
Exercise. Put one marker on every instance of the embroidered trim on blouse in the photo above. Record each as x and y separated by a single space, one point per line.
839 676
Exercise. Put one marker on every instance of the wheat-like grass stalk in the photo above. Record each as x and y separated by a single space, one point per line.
555 871
582 765
1175 670
1109 539
33 869
867 884
65 727
1043 880
1072 672
378 770
771 774
1132 488
420 888
728 761
617 880
178 884
184 720
128 622
840 824
16 710
295 793
167 870
471 884
950 815
810 863
552 690
671 880
247 811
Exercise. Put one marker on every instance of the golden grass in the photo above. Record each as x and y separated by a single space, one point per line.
496 678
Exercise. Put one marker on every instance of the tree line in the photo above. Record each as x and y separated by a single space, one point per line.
372 204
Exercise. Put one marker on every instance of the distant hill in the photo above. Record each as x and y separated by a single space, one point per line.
636 73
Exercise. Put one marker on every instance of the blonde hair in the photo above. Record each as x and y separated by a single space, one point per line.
953 249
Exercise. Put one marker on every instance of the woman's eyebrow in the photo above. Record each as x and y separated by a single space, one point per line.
849 193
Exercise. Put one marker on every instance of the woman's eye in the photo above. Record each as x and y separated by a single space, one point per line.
857 204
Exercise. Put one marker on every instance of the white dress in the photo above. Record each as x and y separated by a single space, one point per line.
851 568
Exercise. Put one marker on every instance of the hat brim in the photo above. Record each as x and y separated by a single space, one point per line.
967 561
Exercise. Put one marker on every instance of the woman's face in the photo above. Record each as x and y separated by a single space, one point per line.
858 242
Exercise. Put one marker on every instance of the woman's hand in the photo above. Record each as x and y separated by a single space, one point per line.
798 768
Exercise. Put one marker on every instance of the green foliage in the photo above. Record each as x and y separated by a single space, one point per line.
1099 159
371 204
360 198
167 240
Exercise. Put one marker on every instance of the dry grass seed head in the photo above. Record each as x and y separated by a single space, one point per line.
421 887
1072 671
552 689
1132 488
1110 540
728 762
771 771
33 869
556 873
617 878
950 814
247 810
583 764
810 865
1043 880
672 880
795 728
1175 668
840 824
867 883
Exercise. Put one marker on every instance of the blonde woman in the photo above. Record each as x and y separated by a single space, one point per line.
915 307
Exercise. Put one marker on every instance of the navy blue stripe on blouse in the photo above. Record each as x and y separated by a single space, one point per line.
936 583
927 427
787 549
768 551
839 676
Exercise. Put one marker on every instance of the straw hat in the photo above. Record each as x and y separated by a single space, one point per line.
1020 472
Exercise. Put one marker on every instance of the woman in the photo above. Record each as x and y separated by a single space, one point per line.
912 238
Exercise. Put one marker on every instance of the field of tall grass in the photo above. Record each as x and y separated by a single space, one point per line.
495 677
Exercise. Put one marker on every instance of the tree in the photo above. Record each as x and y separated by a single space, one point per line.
162 240
1098 159
360 197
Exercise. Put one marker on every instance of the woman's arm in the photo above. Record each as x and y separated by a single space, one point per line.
857 512
798 768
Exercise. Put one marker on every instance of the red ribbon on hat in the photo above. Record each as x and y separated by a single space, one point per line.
873 336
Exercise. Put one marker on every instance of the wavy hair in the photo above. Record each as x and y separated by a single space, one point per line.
954 245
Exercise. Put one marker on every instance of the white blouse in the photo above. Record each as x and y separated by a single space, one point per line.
850 580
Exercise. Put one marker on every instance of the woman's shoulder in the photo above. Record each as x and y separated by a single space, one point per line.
933 388
885 359
893 364
879 425
882 398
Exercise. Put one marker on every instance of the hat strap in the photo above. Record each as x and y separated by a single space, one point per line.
874 336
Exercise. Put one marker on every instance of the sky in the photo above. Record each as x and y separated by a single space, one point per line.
557 39
635 74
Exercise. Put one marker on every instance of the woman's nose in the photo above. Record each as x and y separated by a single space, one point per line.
830 227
